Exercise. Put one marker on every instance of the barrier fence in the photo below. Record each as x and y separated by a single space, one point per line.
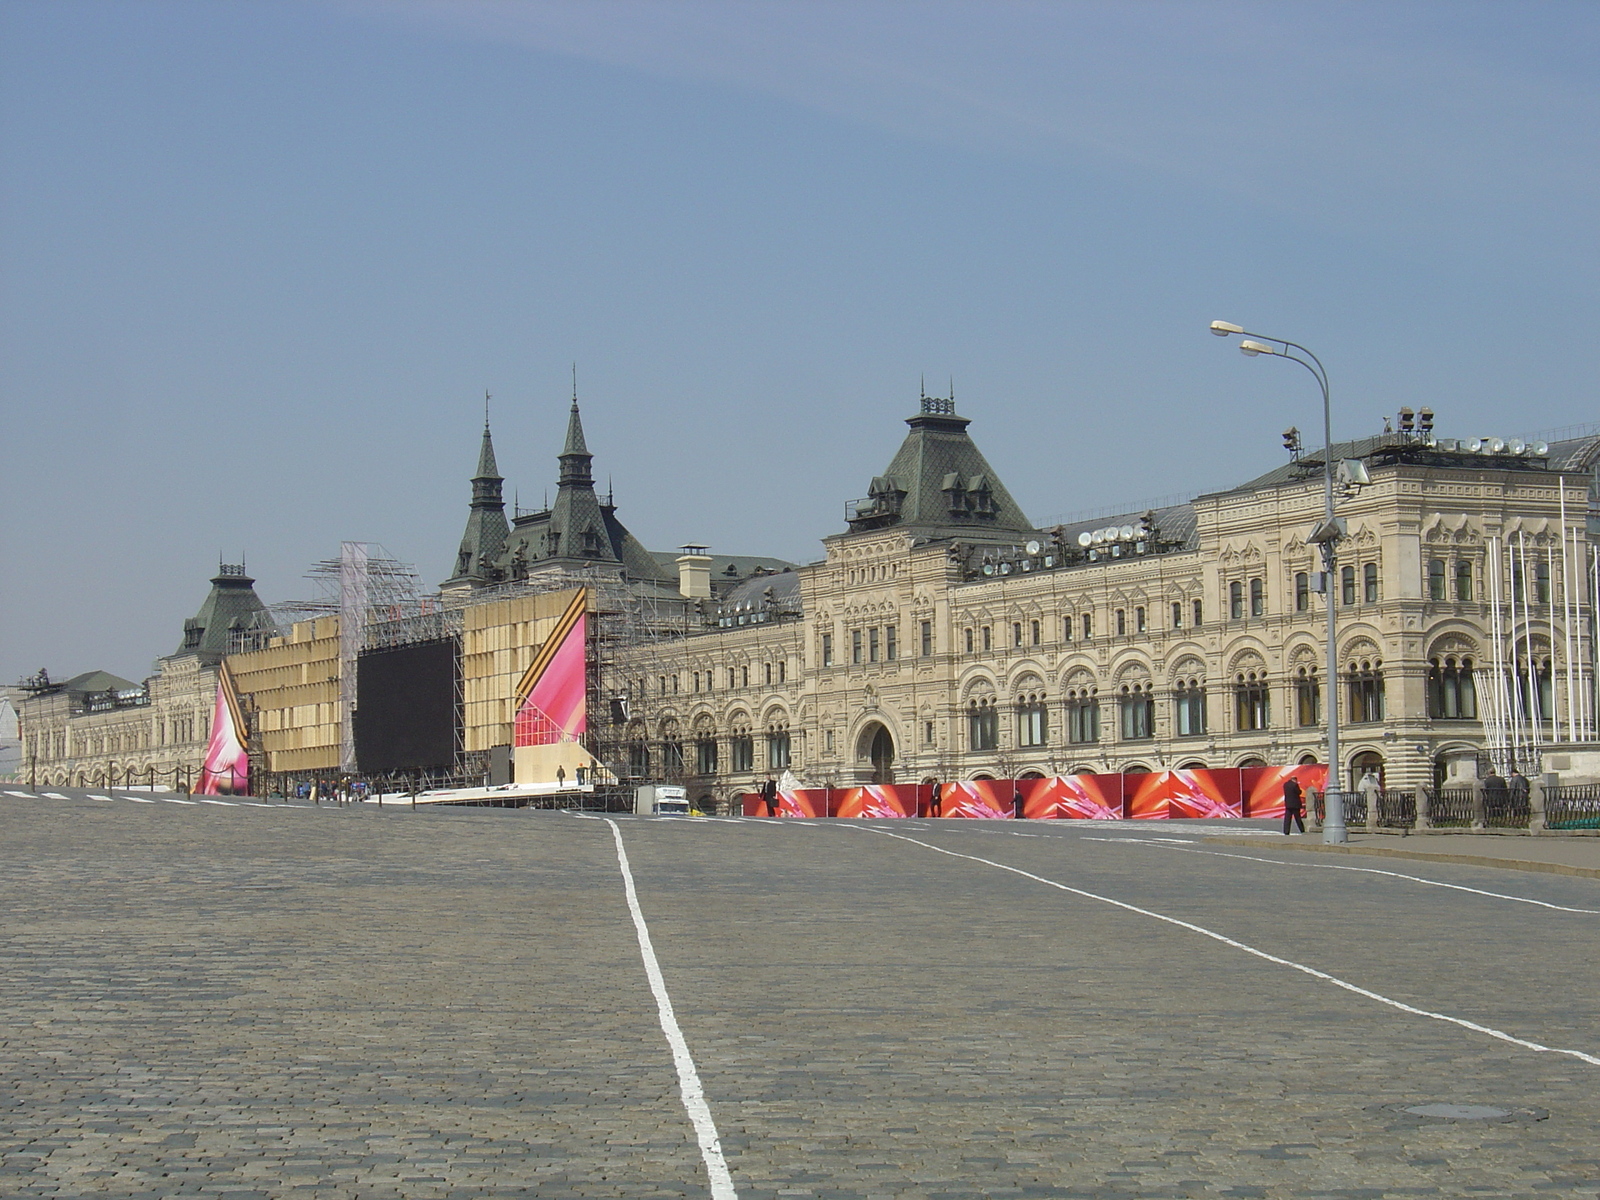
1156 795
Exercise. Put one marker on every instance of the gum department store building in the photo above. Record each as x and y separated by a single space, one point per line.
944 636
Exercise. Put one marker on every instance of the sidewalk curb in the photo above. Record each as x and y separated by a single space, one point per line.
1470 860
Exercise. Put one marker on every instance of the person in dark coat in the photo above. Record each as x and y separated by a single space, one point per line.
1294 807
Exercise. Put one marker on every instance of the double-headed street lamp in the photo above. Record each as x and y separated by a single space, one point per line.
1327 536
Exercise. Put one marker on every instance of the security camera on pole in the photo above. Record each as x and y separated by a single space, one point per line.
1326 535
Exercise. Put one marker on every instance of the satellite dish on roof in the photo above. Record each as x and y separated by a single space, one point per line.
1032 547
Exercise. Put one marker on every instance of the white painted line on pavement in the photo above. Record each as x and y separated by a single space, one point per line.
1455 887
694 1098
1500 1034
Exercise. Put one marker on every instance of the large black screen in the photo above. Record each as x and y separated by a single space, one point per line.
407 716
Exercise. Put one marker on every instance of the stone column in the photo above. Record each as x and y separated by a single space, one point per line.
1536 787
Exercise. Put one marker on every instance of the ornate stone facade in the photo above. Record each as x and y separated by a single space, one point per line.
941 637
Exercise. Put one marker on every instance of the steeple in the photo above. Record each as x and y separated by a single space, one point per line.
487 528
575 457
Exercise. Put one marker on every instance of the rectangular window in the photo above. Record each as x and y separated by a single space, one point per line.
1083 721
1122 622
1189 712
827 649
872 644
1369 582
778 750
983 727
743 752
988 637
1307 699
1198 611
1302 591
855 646
891 643
927 638
1137 717
1032 724
705 754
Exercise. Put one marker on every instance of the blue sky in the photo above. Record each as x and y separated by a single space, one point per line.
258 262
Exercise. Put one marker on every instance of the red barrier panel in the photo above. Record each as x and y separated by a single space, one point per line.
1263 787
1074 798
876 800
979 798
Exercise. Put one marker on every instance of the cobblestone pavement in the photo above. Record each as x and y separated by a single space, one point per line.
232 1001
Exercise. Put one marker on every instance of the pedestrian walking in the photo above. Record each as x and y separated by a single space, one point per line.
769 793
1294 806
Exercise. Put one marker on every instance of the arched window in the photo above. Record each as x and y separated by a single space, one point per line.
1451 694
1189 708
983 724
1251 704
1366 691
1307 696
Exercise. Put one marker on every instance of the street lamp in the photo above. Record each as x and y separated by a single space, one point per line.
1327 536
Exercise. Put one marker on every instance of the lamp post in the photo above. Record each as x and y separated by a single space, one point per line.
1327 536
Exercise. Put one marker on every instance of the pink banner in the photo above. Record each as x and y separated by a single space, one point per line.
226 769
556 706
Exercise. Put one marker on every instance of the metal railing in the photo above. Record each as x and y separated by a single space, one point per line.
1452 808
1576 806
1397 809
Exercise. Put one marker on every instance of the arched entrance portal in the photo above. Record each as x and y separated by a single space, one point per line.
877 747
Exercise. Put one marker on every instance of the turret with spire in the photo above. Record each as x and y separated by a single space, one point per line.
485 536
